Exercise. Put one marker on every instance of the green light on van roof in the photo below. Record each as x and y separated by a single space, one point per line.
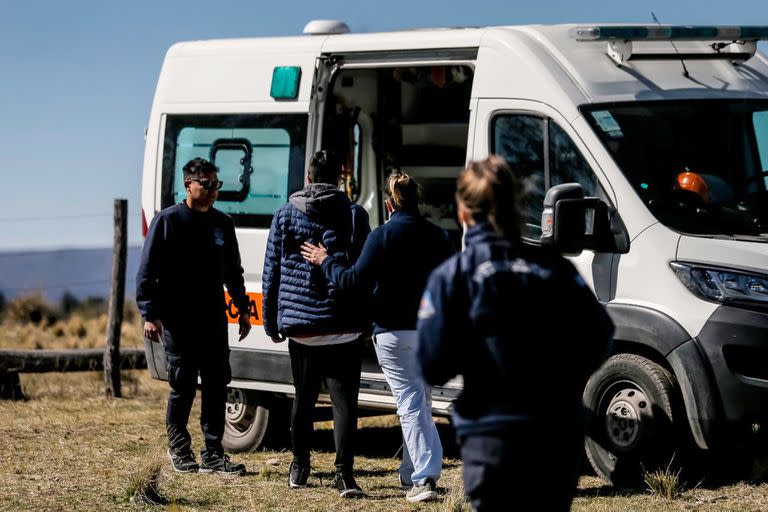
285 82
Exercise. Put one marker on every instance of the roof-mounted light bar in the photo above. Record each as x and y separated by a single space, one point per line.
739 43
670 33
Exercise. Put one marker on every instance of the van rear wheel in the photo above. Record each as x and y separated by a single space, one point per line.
630 425
255 420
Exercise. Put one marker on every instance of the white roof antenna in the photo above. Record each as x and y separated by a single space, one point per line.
326 27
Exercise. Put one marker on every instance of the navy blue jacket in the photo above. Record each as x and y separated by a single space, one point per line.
188 257
297 298
395 263
521 327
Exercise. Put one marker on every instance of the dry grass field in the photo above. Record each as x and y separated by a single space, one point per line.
68 448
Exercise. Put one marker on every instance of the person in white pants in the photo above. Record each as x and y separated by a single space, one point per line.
395 263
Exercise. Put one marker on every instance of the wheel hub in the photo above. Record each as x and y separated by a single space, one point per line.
235 405
624 418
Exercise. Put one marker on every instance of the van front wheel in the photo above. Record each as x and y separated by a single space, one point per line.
630 425
255 420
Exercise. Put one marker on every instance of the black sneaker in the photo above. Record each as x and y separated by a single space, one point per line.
183 462
298 475
346 485
220 463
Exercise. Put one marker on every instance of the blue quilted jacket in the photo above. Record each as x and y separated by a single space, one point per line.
298 299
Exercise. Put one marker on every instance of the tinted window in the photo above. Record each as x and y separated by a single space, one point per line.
520 140
760 120
698 165
566 165
260 160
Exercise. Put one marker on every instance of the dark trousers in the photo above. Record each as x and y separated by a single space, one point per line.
185 361
340 366
504 470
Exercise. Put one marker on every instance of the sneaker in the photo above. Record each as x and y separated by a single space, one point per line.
183 462
297 476
424 492
346 485
220 463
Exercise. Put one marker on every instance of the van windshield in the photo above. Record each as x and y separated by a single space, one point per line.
701 167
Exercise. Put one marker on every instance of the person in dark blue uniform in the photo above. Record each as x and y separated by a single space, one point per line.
189 254
525 332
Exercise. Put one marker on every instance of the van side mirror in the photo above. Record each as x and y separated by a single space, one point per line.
563 221
571 222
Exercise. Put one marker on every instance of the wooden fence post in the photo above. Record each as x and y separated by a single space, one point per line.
10 385
116 300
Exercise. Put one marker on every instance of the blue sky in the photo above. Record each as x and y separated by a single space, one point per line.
77 80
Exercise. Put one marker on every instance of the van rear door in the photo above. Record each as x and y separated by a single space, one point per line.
244 105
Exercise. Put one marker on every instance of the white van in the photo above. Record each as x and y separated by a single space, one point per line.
664 129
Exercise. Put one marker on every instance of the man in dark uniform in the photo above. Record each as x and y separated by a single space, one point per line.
189 254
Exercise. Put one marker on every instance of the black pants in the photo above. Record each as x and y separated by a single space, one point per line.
503 470
340 365
188 355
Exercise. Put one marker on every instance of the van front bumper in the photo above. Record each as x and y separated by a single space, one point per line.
734 342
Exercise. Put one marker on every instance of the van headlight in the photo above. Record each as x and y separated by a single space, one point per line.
722 285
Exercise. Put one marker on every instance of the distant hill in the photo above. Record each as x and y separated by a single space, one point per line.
81 272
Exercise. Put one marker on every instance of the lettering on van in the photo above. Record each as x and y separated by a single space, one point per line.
255 308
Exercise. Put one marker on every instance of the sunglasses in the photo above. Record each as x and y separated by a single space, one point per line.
208 184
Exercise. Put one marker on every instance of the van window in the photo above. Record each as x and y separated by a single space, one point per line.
698 165
520 140
260 160
566 165
760 120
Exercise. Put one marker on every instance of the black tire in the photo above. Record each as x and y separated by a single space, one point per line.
631 423
255 420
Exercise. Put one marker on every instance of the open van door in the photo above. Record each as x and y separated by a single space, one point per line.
408 109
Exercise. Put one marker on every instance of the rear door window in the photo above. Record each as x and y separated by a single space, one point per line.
260 160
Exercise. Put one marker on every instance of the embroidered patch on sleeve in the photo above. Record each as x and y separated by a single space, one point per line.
426 308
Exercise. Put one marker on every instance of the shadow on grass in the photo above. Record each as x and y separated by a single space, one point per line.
609 491
204 503
383 441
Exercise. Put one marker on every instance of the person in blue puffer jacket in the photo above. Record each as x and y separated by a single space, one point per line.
525 332
324 324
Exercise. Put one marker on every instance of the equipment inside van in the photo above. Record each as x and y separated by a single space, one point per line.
643 154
